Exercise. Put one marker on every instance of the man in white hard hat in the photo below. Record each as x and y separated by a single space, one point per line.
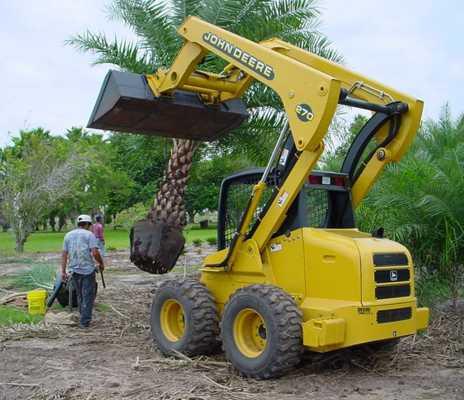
80 251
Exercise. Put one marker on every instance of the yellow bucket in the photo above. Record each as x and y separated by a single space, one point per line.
36 301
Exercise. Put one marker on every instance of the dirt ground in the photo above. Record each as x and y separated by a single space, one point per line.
116 359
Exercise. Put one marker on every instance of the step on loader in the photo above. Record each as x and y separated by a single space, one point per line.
292 272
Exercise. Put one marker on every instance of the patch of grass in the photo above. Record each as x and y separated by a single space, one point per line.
196 227
197 242
56 306
212 241
6 282
50 242
201 234
12 315
102 307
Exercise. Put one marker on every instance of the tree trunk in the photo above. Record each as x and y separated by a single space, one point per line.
169 205
20 240
61 222
21 233
157 242
52 222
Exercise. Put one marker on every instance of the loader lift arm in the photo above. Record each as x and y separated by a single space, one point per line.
310 88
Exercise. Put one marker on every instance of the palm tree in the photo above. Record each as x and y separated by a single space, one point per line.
154 23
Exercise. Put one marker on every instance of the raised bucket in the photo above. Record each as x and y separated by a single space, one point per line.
127 104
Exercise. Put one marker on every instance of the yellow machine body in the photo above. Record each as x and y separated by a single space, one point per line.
330 275
329 272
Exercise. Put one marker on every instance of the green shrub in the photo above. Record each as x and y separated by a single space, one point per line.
126 218
212 241
197 242
12 315
431 288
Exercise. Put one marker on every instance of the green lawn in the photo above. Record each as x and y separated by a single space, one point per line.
44 242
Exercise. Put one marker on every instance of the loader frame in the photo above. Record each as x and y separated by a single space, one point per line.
336 277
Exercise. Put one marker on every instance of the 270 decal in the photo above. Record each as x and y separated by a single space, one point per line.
304 112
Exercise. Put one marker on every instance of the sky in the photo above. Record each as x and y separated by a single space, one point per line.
415 46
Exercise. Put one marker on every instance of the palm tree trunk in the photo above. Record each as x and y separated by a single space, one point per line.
157 242
169 205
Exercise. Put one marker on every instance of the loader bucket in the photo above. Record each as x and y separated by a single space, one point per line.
127 104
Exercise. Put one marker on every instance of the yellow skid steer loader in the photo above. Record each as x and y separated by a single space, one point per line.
292 272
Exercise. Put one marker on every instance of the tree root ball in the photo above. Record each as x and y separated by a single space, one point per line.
155 246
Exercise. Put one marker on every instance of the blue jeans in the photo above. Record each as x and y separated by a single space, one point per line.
85 288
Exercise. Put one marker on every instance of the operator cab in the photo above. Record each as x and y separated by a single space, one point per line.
325 199
323 202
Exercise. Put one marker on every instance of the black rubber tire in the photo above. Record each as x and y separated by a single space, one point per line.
282 318
201 334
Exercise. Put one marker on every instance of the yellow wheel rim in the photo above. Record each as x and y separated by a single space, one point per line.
172 320
250 333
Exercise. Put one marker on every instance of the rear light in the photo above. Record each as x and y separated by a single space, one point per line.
315 179
339 181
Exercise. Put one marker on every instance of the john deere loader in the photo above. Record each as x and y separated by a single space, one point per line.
291 272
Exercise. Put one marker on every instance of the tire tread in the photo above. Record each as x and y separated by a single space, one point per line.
288 318
204 328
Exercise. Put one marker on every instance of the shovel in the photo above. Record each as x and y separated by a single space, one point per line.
127 104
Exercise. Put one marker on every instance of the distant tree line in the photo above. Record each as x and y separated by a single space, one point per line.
47 180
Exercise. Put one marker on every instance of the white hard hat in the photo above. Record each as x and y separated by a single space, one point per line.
84 218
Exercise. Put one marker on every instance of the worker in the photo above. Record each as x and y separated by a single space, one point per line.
97 230
80 251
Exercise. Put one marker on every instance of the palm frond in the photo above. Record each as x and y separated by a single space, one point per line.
291 11
181 9
152 22
124 54
244 9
